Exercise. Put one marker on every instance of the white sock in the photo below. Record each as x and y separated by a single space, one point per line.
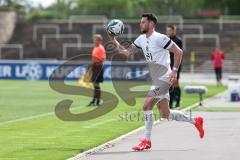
180 116
148 117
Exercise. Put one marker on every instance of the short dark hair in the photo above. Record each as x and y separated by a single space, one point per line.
150 17
172 26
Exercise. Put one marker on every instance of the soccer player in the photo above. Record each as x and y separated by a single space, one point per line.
98 58
175 90
156 47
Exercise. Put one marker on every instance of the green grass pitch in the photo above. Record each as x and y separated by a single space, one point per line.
30 130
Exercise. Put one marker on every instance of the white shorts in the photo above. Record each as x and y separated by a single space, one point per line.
160 91
160 81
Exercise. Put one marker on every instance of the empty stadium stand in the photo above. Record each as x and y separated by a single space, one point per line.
56 40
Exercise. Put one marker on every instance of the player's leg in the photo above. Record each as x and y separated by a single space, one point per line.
179 116
220 76
173 114
96 78
148 116
216 73
99 80
177 94
148 119
154 95
97 93
218 70
92 73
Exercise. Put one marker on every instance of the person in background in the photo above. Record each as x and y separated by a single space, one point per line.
175 90
217 59
98 58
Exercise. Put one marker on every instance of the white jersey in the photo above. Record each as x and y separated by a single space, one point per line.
155 48
155 51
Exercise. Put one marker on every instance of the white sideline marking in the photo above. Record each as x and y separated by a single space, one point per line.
34 117
43 115
100 123
106 121
26 118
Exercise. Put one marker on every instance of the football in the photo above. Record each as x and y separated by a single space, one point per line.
115 27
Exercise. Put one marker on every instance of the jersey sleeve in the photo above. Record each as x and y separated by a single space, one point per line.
137 42
165 42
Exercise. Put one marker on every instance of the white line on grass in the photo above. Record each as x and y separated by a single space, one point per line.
100 123
35 116
26 118
105 122
44 115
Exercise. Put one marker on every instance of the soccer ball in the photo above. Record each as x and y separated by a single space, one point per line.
115 27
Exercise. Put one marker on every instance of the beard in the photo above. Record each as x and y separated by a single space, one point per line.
144 31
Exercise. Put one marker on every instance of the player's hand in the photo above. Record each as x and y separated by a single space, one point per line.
110 36
173 77
113 39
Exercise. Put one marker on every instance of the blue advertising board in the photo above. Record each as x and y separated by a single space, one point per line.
41 70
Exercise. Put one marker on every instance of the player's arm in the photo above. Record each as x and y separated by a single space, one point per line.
177 55
177 59
132 49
